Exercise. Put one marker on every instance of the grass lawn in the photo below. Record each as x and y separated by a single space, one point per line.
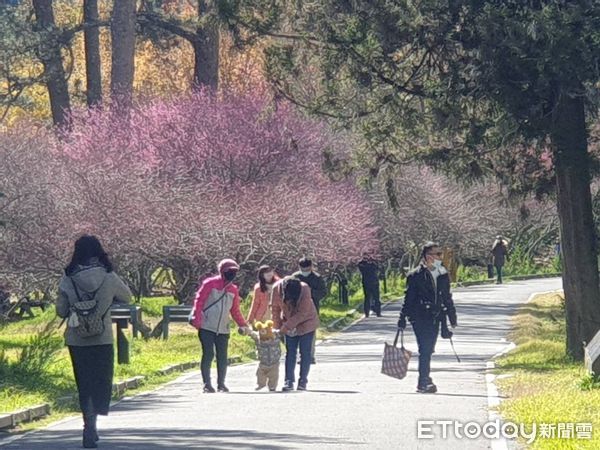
545 386
48 374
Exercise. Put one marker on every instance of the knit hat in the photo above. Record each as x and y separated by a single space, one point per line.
227 264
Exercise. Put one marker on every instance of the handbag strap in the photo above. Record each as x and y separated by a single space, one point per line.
219 299
400 333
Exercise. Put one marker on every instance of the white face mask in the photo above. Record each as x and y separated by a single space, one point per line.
304 273
437 263
268 276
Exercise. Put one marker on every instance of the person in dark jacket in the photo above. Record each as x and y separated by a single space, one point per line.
318 289
90 275
369 270
499 255
427 304
4 299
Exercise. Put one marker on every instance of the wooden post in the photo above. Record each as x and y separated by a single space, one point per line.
122 343
136 318
165 324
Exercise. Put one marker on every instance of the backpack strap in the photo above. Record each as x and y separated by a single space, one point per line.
93 293
76 290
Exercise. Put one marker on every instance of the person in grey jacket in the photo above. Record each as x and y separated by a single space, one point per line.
88 276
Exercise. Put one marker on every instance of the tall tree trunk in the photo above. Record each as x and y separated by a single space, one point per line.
92 54
51 58
206 49
578 240
122 30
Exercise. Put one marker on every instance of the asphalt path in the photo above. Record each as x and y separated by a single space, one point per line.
349 402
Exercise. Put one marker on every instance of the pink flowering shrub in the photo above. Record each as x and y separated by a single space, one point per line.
179 184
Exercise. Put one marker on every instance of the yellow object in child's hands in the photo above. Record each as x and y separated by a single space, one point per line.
265 330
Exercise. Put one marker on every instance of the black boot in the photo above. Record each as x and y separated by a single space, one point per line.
94 427
89 431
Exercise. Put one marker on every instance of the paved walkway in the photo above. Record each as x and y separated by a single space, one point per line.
350 404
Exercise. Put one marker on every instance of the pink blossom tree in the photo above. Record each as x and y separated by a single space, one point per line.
181 184
429 206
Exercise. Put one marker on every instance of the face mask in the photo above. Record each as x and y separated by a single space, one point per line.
437 263
268 277
305 274
230 275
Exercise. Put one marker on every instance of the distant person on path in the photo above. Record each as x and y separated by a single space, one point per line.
216 300
427 303
318 289
261 298
90 277
4 299
296 317
499 254
369 269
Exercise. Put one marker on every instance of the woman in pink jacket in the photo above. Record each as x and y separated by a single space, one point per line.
216 300
295 315
261 298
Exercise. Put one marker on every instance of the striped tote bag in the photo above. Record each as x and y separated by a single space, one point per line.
395 359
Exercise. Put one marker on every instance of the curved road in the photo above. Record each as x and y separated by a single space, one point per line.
349 403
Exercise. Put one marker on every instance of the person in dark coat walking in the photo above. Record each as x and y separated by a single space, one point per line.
499 254
90 275
318 289
369 270
427 304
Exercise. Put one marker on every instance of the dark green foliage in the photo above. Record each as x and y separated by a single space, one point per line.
467 87
472 88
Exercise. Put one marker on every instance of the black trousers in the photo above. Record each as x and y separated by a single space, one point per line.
372 301
499 272
212 341
93 367
426 332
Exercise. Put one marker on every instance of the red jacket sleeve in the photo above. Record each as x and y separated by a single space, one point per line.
201 296
235 310
276 307
255 304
